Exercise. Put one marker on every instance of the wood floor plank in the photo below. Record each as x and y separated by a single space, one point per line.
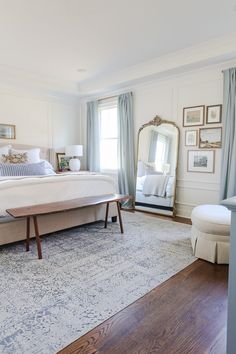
185 315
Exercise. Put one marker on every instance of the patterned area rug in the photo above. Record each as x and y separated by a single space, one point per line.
88 274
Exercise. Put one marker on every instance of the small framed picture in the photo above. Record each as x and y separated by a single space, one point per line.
214 114
210 138
201 161
7 131
191 138
193 116
62 161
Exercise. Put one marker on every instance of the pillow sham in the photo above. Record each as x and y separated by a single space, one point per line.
170 188
49 170
15 158
152 172
33 155
141 168
22 169
4 150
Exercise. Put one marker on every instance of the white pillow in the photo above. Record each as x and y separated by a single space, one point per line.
49 170
33 155
4 150
170 188
141 169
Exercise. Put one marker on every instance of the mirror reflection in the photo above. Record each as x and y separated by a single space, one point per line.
157 164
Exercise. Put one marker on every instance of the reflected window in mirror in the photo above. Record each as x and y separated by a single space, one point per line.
159 149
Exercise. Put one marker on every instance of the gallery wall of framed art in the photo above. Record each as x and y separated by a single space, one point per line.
203 138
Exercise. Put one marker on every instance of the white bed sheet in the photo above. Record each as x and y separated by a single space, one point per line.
22 191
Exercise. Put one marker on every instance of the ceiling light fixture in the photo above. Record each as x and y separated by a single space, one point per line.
81 70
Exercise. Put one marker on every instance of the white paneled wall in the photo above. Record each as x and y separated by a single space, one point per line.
40 121
166 98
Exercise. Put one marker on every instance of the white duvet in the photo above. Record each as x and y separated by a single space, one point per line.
23 191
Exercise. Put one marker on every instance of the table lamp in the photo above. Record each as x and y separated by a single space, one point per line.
74 151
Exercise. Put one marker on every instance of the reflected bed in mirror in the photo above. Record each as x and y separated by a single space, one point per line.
158 145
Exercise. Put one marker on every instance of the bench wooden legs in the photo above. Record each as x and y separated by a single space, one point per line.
120 219
36 228
27 233
106 217
38 241
119 216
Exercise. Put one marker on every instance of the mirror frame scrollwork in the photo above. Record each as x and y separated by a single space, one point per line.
156 121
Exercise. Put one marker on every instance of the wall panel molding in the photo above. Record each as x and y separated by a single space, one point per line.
198 185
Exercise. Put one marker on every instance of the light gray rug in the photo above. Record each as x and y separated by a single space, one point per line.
87 275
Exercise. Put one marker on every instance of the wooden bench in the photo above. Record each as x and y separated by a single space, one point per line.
50 208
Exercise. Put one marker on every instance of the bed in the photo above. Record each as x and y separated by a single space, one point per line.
17 191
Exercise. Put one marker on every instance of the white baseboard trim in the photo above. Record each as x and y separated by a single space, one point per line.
184 209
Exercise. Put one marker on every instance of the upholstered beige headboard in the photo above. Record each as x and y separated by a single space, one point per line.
45 153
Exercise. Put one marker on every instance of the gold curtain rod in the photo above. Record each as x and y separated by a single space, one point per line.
107 98
115 96
233 67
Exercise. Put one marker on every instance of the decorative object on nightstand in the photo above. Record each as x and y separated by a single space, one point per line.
62 162
74 151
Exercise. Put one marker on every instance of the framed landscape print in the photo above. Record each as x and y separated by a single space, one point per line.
62 161
201 161
193 116
214 114
210 138
191 138
7 131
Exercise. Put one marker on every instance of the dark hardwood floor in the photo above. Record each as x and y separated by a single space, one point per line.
184 315
165 217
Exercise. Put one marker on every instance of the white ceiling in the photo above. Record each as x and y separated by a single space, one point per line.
54 38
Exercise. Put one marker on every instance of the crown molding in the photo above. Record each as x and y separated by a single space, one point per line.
207 53
216 51
22 81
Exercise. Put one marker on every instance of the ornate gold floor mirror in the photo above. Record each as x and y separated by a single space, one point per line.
158 150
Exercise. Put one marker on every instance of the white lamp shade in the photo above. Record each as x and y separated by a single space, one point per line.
74 150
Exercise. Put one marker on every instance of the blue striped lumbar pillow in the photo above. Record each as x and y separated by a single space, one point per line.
22 169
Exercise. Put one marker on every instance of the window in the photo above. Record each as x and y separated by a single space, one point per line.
109 135
162 149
